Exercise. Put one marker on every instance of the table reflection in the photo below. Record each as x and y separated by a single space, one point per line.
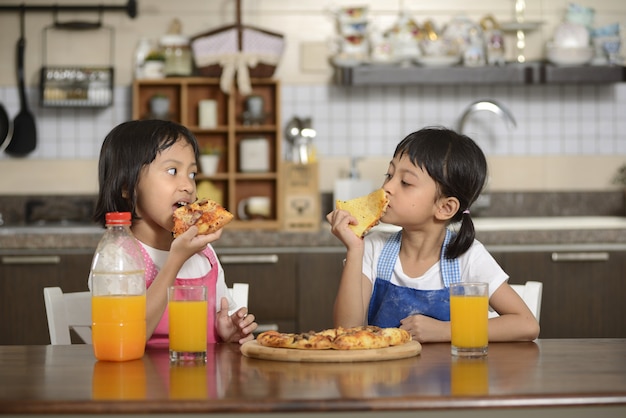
469 376
229 375
119 380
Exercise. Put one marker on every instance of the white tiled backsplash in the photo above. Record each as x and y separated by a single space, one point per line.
575 120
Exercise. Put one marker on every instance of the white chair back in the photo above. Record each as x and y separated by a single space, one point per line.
531 293
67 311
239 293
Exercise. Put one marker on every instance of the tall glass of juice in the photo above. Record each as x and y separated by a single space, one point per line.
469 306
188 311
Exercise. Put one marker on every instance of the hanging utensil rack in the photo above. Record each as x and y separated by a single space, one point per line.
130 8
76 86
98 81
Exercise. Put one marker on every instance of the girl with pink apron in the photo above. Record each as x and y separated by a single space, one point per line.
160 336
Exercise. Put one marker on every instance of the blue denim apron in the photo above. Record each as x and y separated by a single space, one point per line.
390 303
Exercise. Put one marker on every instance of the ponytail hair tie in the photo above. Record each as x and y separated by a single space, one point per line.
466 212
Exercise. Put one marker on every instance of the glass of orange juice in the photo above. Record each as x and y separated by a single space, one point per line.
469 305
187 323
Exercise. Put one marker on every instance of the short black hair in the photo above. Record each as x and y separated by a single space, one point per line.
125 151
459 168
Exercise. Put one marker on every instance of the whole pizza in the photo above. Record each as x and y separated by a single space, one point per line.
355 338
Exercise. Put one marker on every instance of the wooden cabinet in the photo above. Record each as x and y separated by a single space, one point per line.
319 274
232 182
291 291
272 280
23 276
583 290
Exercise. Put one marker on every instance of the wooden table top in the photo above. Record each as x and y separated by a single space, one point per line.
68 379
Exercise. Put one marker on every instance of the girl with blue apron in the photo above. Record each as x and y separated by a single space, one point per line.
391 303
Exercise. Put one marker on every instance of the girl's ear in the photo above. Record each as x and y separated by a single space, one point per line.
447 208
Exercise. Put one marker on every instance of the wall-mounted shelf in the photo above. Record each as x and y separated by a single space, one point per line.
590 74
531 73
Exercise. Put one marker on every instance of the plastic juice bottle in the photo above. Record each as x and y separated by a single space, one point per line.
118 288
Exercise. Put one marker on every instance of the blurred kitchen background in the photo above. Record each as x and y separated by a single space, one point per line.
568 137
551 212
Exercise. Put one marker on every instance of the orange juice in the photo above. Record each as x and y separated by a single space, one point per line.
188 325
118 327
468 321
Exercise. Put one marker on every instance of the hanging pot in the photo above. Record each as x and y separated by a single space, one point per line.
6 128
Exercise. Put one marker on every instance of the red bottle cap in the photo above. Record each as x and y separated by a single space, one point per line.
118 218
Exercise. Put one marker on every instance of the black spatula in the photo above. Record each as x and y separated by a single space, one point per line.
24 129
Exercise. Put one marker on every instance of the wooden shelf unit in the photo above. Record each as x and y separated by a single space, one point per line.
185 93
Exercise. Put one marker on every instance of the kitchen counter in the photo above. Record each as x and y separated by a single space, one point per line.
574 378
582 230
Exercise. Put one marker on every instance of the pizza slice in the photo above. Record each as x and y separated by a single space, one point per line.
303 341
366 209
208 215
360 339
396 336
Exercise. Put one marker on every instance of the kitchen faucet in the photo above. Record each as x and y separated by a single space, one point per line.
484 200
490 105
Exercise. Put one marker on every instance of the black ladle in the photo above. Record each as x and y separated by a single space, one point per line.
24 129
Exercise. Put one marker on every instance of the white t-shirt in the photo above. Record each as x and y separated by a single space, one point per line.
476 265
196 266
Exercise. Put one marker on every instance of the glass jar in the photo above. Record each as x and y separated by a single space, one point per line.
143 48
177 55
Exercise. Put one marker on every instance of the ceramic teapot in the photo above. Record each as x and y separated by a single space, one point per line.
404 37
469 37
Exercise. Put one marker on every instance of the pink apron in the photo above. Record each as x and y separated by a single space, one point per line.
160 336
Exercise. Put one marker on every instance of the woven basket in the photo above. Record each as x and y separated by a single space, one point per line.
208 47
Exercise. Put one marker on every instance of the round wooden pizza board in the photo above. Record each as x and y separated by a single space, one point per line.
253 349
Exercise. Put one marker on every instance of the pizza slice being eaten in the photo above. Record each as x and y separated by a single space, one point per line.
208 215
366 209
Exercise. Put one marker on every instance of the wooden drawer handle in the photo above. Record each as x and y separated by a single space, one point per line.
249 259
31 259
580 256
